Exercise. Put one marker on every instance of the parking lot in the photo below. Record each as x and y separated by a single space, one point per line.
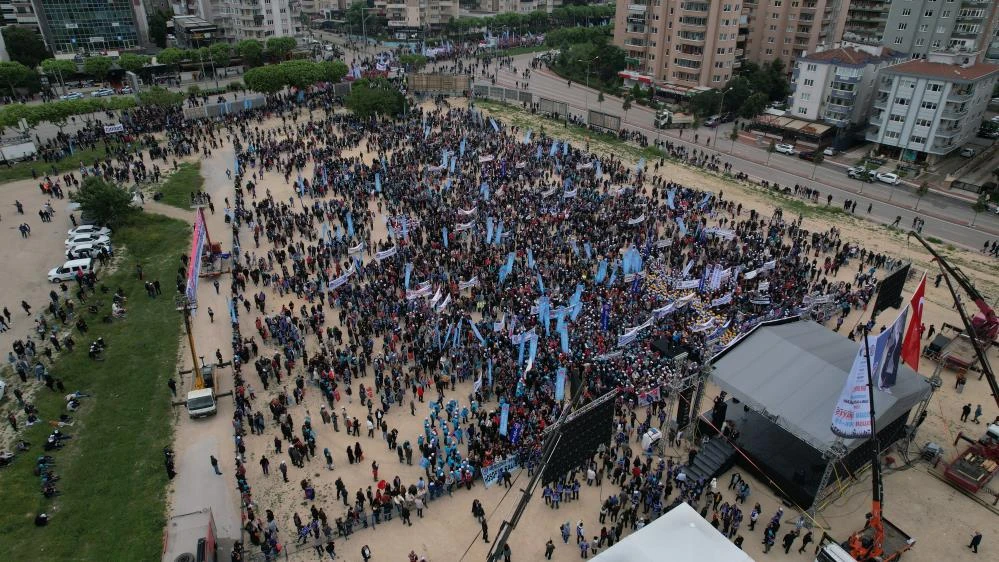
28 260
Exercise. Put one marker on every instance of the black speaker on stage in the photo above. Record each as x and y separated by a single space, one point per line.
581 436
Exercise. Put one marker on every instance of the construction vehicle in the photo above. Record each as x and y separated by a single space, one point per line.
666 119
974 468
201 400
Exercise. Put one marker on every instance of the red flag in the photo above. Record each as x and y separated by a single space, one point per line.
911 343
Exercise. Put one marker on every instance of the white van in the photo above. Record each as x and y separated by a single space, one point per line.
201 403
67 271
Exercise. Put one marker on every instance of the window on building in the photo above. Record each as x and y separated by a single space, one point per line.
923 122
923 28
941 29
898 40
809 82
928 105
945 14
906 12
902 26
777 3
896 118
917 139
928 14
790 29
771 40
902 101
785 52
716 78
892 134
806 96
812 67
934 87
802 110
769 51
935 44
787 40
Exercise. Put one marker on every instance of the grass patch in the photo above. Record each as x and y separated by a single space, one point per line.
934 240
113 483
179 186
22 170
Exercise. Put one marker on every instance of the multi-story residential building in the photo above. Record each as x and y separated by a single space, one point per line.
926 109
787 29
920 27
19 12
255 19
192 32
836 85
92 26
519 6
686 43
415 15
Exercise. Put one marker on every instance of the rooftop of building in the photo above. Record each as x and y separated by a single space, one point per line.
943 71
191 22
851 56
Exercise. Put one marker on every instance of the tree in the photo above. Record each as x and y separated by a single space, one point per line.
265 79
921 192
251 51
14 74
131 62
98 67
600 99
158 27
817 160
172 56
626 105
375 97
25 46
107 203
332 71
300 73
279 47
221 54
734 135
754 105
980 205
158 96
59 69
705 103
770 150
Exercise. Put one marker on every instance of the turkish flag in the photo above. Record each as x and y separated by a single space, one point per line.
911 343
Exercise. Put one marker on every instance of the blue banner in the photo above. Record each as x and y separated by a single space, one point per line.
350 225
564 338
670 195
461 148
444 233
409 271
530 258
560 383
605 317
541 284
490 372
478 336
378 183
504 418
516 432
601 272
589 251
553 149
520 352
489 230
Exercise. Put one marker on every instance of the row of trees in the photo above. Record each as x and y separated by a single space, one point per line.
273 78
252 52
746 94
596 61
537 21
59 112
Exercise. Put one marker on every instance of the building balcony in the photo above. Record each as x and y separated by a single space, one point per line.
636 18
690 40
954 114
637 8
948 132
836 119
965 34
960 96
847 79
845 95
880 103
636 29
740 52
876 118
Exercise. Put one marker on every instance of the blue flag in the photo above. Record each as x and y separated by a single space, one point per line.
530 258
504 418
605 317
553 149
589 251
409 271
560 383
489 230
601 271
669 198
461 148
541 284
350 225
445 236
378 183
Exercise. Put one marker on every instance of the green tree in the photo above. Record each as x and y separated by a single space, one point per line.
626 105
300 73
980 206
332 71
600 99
172 56
221 54
817 160
158 96
107 203
14 75
375 97
279 47
921 192
251 51
158 27
25 46
754 105
705 103
265 79
770 150
59 69
131 62
98 67
413 62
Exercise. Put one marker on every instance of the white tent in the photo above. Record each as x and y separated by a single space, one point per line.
680 535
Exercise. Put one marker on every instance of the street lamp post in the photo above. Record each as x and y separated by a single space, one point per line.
364 17
587 93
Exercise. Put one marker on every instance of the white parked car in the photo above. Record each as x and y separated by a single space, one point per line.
86 251
830 151
89 229
72 96
92 238
889 178
102 92
784 148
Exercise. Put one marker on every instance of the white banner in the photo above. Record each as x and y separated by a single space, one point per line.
720 232
437 296
473 282
443 305
727 298
484 159
468 212
688 284
115 128
387 253
493 473
464 226
637 220
417 293
852 417
356 249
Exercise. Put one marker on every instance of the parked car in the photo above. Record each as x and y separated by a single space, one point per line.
125 90
81 251
89 229
92 238
889 178
713 121
785 149
861 173
102 92
830 151
728 117
72 96
806 155
68 270
968 152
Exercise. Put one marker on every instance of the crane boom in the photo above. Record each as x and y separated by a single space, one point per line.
984 326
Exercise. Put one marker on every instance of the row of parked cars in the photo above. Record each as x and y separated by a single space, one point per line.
83 245
98 93
857 172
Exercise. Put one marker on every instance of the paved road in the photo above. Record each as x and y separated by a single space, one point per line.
946 216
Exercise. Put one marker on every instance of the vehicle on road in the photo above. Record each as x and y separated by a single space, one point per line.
68 270
125 90
785 149
713 121
92 238
889 178
861 173
830 151
807 155
102 92
968 152
72 96
89 229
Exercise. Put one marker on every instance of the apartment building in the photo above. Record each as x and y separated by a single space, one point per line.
255 19
926 109
19 12
787 29
519 6
920 27
835 85
414 15
89 27
684 43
